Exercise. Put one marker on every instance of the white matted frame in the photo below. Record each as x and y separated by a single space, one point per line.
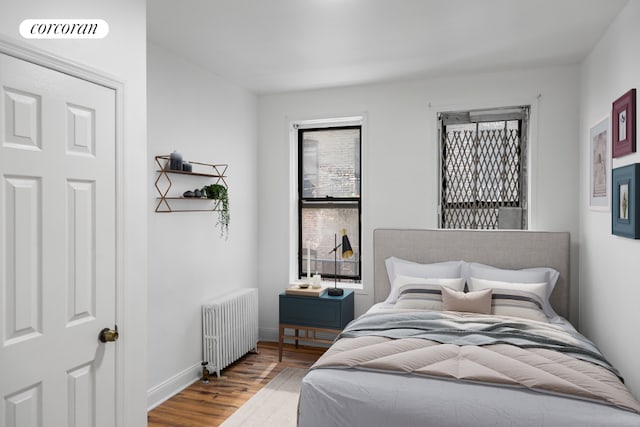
600 165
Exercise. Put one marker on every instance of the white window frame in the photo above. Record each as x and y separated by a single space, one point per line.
293 126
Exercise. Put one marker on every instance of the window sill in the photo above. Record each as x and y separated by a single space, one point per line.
329 284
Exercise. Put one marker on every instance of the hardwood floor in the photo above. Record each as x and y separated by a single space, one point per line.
207 405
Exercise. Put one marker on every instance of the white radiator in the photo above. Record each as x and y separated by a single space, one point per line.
229 328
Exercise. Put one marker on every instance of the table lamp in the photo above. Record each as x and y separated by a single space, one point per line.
346 252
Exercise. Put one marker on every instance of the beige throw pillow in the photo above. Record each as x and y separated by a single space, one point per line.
472 302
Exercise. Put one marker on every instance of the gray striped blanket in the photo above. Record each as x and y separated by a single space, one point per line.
476 329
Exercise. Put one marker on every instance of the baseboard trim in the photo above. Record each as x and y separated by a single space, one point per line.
172 386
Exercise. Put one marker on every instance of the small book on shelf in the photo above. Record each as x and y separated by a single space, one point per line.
308 291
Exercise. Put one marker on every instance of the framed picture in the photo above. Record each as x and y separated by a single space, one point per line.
623 124
625 206
599 166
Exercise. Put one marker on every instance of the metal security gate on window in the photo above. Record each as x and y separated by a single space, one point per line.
483 169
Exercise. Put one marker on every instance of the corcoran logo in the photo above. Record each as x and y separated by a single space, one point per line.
64 29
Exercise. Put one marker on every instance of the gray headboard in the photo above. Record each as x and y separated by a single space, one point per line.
504 248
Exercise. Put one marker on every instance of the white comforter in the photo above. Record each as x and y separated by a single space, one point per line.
346 397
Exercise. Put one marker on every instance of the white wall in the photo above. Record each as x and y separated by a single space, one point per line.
122 54
609 268
210 121
400 159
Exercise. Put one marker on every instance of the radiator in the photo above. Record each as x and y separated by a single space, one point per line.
229 328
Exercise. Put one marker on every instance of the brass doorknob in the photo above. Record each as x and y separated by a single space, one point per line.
109 335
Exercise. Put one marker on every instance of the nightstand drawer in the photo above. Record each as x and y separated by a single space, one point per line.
324 314
321 312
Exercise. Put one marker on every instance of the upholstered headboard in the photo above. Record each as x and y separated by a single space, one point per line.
512 249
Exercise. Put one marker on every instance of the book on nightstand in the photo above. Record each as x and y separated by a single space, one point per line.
309 291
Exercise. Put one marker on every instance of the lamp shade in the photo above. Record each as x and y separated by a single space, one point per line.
347 251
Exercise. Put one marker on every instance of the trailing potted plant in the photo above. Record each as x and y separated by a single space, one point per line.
219 192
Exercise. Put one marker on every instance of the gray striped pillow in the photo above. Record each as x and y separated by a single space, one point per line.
424 294
515 303
525 300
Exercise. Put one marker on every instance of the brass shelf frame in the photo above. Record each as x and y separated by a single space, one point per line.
217 174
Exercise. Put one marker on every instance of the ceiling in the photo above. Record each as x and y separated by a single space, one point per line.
270 46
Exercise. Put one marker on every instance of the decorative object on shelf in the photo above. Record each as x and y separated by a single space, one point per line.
175 161
177 202
600 165
186 167
316 281
219 192
308 263
346 252
625 206
193 194
623 121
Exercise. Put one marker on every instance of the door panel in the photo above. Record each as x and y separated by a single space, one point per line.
22 124
57 248
81 289
23 271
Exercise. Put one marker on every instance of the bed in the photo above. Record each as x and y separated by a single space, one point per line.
407 362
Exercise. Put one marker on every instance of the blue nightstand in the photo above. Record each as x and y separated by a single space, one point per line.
325 314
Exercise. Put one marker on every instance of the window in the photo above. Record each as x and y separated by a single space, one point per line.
329 199
483 169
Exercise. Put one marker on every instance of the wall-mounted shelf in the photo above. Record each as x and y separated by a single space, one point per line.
212 173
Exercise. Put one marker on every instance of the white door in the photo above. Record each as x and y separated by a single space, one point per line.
57 248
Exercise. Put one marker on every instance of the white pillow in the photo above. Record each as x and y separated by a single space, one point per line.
402 283
401 267
527 310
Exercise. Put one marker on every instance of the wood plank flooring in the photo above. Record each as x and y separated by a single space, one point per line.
207 405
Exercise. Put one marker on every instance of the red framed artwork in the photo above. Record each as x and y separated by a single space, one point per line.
623 125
